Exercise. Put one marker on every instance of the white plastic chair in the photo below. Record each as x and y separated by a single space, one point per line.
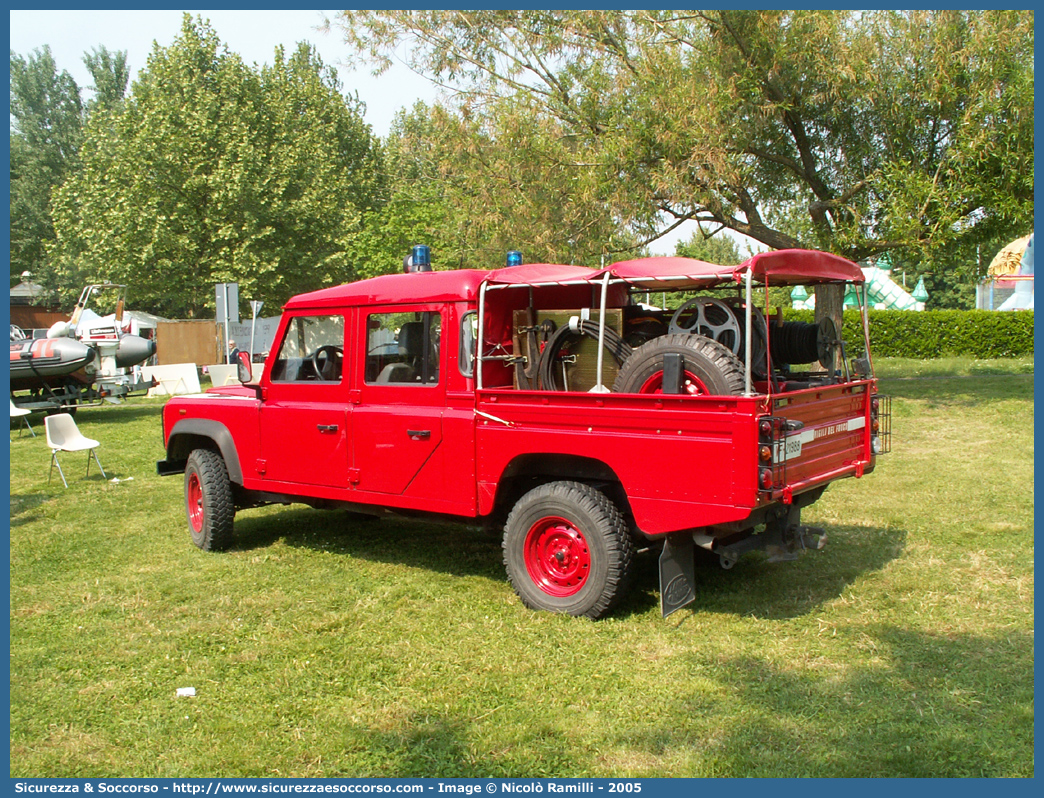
64 436
21 412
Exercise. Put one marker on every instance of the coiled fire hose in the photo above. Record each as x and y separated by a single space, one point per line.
549 357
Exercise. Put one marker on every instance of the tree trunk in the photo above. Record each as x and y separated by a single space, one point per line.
830 303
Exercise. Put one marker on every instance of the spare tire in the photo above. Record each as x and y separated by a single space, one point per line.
707 367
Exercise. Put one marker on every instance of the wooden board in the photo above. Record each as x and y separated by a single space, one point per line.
193 341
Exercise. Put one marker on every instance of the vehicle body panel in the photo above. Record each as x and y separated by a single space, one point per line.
683 462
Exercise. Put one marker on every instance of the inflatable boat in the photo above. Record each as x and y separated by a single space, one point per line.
39 361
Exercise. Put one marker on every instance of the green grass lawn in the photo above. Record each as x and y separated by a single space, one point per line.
322 646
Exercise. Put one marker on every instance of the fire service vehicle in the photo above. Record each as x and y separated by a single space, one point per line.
588 413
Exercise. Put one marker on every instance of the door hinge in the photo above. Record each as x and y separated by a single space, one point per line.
354 474
354 396
261 466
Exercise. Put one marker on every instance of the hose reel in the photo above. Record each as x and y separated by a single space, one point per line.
803 342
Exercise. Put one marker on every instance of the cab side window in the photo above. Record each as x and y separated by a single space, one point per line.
403 348
311 351
468 337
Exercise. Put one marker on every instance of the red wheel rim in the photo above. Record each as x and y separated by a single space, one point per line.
557 557
194 502
691 385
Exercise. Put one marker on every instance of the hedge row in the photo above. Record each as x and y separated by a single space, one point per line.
937 333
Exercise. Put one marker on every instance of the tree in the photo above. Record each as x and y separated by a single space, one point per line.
212 171
46 131
475 186
48 114
111 75
720 249
852 132
415 210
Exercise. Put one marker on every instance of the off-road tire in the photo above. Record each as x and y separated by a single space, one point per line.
209 506
567 549
709 367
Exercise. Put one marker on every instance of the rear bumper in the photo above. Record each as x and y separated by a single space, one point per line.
856 469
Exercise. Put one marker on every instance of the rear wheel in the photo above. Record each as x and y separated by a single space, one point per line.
567 549
208 500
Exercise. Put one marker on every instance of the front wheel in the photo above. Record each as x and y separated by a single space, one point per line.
567 549
208 500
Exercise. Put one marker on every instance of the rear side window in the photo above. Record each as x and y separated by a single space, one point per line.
311 351
403 348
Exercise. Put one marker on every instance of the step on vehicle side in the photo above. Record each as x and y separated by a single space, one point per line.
558 403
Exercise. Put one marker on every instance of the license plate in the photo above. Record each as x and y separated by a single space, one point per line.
788 448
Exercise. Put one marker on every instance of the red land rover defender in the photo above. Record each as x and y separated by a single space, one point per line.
564 404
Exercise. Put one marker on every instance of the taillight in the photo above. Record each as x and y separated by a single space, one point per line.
771 463
765 479
880 424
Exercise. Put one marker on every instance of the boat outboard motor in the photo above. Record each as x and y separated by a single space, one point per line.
133 349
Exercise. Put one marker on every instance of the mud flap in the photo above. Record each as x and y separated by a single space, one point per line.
677 573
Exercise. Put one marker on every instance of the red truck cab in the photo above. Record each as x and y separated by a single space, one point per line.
558 402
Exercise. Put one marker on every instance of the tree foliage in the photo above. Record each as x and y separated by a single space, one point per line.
852 132
111 74
414 208
46 115
720 249
212 171
475 186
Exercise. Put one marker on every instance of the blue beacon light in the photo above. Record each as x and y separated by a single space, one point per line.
421 258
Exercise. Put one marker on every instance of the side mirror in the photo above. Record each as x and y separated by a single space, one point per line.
243 372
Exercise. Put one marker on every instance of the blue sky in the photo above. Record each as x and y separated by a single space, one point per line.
252 34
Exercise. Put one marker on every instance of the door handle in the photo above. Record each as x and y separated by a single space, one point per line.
326 427
419 434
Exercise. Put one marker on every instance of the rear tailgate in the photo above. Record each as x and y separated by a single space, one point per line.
819 435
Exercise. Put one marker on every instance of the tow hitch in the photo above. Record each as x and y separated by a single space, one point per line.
795 541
